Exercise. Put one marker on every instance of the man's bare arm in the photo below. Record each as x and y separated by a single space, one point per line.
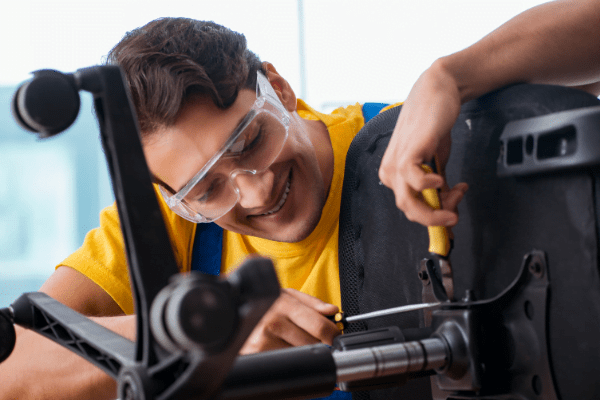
41 369
554 43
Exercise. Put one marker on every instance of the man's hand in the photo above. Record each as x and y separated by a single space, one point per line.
422 131
295 319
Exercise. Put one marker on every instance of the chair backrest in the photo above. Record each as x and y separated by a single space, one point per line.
501 219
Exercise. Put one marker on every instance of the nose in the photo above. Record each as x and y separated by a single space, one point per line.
255 189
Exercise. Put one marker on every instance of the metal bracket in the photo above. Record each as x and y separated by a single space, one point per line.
509 345
561 140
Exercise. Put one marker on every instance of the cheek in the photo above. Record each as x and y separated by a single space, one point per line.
298 147
232 223
297 131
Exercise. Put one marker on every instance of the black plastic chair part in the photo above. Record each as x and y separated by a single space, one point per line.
501 219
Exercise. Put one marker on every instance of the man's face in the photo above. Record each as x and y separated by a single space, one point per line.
282 203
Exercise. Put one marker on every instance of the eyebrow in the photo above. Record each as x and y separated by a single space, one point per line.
157 180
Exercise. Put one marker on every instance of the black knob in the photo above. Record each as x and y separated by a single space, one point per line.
202 315
47 104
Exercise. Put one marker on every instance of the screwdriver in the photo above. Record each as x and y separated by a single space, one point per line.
341 321
440 243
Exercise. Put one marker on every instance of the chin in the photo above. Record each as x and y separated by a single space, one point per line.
291 231
297 232
299 227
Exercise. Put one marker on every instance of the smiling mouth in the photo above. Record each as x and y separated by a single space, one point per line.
283 198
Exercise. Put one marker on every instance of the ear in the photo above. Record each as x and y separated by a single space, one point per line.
281 87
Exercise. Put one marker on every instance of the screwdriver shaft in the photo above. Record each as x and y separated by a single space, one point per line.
389 311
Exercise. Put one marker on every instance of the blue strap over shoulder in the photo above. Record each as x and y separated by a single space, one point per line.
208 245
337 395
372 109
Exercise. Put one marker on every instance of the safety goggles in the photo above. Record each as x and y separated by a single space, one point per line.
251 149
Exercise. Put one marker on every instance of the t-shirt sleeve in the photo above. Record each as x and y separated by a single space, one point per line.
102 255
102 259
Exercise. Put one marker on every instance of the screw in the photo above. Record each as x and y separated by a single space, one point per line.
536 268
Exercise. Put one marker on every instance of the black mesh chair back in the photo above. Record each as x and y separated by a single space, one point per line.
501 219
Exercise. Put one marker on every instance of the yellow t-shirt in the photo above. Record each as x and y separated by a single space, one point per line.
310 266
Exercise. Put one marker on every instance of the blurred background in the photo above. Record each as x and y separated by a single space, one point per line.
333 52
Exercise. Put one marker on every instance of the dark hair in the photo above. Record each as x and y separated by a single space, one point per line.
170 59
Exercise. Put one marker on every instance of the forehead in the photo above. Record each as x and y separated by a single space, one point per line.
176 153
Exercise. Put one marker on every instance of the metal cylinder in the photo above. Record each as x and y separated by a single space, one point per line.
392 359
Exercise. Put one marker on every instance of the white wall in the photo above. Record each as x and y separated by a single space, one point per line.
363 50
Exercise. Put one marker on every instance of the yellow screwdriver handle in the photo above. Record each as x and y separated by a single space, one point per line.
339 319
439 240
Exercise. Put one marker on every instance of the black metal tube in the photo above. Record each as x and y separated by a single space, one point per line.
295 373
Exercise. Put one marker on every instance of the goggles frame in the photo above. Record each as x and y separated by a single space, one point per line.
264 94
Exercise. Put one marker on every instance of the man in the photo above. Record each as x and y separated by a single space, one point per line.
226 141
291 204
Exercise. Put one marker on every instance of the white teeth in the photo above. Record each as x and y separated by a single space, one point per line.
282 201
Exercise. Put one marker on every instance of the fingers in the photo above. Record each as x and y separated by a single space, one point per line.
421 213
258 342
296 319
420 180
317 304
276 333
399 167
409 198
452 197
401 171
422 131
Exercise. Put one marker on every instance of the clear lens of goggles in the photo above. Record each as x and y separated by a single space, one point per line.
252 148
